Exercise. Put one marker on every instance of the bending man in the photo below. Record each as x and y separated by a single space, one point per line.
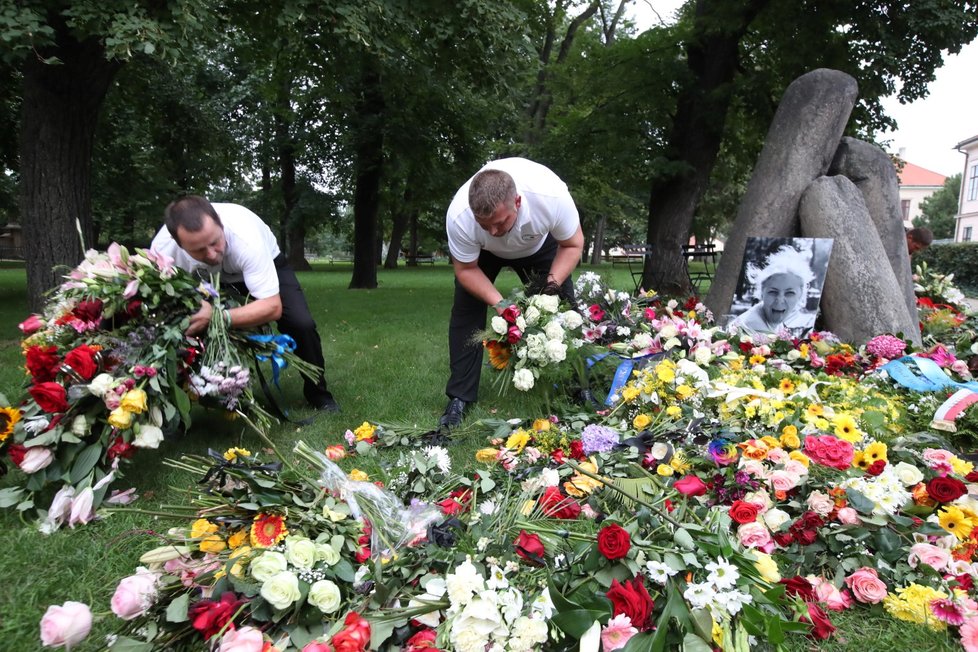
514 213
205 238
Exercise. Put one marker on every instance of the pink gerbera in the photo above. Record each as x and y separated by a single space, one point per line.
617 633
969 635
947 610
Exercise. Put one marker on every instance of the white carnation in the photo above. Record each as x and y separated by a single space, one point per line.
463 583
523 380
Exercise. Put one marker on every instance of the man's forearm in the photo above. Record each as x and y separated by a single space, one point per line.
256 312
478 285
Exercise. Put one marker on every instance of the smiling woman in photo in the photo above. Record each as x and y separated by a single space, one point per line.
780 288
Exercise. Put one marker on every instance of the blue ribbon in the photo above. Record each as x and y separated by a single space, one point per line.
931 378
622 373
283 344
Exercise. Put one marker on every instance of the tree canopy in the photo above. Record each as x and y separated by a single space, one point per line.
938 211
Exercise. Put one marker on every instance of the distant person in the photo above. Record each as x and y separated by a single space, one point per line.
781 290
205 239
918 238
512 213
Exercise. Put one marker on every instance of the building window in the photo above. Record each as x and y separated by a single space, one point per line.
966 235
973 183
905 209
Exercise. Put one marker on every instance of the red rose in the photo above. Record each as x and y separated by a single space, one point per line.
42 362
423 641
633 600
81 359
558 456
972 477
784 539
510 313
16 453
51 397
90 310
577 450
614 541
806 537
513 334
120 448
556 505
354 637
822 627
743 512
31 325
690 486
946 489
876 467
530 547
799 586
209 616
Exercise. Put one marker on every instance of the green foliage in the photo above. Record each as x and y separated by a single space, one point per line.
940 209
960 259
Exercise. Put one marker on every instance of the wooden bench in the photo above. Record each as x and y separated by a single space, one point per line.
413 261
340 258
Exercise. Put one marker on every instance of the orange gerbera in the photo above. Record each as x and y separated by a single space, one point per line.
267 530
9 416
498 354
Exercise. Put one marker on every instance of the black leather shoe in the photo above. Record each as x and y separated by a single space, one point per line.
325 403
453 413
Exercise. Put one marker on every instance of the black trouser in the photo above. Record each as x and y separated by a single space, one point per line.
297 322
469 316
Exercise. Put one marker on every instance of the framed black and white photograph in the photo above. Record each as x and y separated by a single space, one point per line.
780 285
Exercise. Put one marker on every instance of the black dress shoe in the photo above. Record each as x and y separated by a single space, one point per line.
453 413
325 403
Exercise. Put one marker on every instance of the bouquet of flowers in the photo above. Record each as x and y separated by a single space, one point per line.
534 339
110 371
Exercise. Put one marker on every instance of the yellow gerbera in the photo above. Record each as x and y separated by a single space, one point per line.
846 428
757 359
518 440
9 416
875 451
815 410
233 454
786 385
954 520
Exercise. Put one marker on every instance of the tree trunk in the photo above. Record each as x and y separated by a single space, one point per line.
694 141
368 169
295 240
61 104
597 253
401 217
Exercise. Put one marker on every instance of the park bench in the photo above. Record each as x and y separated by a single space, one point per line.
419 258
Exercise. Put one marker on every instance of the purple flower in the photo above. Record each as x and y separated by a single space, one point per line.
598 439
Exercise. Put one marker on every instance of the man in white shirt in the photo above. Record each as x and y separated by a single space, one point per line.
206 239
512 213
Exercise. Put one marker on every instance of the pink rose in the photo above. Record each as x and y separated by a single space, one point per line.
776 455
66 625
866 586
820 503
35 459
829 450
317 646
796 467
246 639
782 480
830 595
847 516
30 326
690 486
929 554
755 535
754 467
135 594
60 508
937 456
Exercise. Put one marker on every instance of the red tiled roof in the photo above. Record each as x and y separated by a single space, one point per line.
914 175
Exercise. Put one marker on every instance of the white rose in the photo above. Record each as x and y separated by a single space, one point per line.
499 325
300 552
79 426
554 330
267 565
325 596
908 474
281 590
520 322
546 302
775 518
36 458
572 319
556 351
148 437
702 355
668 331
532 315
156 416
101 384
327 554
523 380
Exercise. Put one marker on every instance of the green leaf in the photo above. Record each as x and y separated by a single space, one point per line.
693 643
859 502
577 621
684 539
84 463
638 643
176 611
11 496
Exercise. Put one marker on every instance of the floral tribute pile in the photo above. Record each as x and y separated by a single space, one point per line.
110 371
739 492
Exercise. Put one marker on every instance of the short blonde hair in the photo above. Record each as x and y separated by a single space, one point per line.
786 260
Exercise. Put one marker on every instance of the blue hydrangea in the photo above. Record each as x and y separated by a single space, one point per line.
599 439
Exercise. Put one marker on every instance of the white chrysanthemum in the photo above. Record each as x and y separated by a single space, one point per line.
723 574
499 325
523 380
441 457
529 632
659 572
464 582
699 595
488 507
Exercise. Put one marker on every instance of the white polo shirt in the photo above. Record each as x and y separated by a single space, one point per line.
249 256
546 207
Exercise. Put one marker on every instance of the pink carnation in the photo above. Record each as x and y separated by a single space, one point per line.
829 450
886 346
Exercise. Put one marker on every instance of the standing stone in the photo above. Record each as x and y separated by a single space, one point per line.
799 147
861 297
871 169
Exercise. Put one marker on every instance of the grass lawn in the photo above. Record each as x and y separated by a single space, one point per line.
387 361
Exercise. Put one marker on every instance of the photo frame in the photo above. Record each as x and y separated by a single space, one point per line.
780 285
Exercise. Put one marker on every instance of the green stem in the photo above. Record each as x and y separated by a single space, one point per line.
658 512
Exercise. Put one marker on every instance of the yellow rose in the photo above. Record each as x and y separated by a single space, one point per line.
365 431
212 543
641 421
767 567
201 528
542 425
120 418
358 476
232 454
664 470
486 455
674 411
771 441
134 401
798 456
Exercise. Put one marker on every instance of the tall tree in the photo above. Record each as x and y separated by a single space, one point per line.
938 211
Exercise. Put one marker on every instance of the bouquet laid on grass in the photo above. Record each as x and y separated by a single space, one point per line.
110 372
534 341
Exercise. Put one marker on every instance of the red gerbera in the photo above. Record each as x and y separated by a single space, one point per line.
267 530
